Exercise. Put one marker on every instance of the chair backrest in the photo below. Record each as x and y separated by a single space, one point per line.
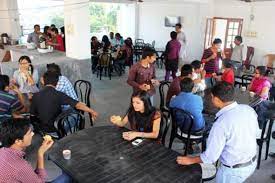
165 123
104 60
139 42
246 79
153 43
69 122
163 88
182 120
249 55
83 91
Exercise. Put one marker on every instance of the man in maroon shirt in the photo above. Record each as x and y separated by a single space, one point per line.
172 56
142 74
16 136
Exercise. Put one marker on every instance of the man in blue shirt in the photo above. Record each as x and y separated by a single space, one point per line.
189 102
232 138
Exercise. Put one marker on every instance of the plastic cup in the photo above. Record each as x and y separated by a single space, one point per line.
252 94
67 154
243 88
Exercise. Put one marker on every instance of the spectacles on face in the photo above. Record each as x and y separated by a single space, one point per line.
24 63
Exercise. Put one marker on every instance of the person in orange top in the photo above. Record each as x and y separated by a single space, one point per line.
57 41
228 74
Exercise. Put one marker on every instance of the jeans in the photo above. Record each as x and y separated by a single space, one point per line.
234 175
208 82
63 178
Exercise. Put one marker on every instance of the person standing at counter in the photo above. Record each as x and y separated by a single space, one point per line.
34 36
26 77
57 41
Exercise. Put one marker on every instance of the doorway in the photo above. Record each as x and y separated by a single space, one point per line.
224 28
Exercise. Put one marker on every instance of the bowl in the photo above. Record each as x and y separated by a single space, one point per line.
252 94
42 50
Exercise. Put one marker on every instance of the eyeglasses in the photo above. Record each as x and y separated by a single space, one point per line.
24 63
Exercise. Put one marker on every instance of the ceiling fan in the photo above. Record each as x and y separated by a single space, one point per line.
139 1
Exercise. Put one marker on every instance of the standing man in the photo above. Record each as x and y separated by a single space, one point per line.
232 138
239 51
182 39
34 36
142 75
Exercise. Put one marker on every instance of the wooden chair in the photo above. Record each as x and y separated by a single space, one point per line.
104 64
249 56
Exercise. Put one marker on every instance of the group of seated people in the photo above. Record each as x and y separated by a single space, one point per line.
50 37
123 49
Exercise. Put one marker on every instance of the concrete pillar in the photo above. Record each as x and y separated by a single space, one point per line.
77 27
9 18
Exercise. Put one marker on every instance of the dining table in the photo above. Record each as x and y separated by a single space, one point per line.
241 97
101 155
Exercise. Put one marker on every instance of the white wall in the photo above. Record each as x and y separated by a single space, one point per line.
151 24
263 24
9 20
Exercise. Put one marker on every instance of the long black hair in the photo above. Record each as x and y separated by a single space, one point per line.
141 121
106 42
28 60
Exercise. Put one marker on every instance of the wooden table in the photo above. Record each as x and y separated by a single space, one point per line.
240 97
99 154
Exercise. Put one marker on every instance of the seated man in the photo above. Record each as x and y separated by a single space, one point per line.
174 89
189 102
63 85
198 76
232 138
16 136
46 104
10 105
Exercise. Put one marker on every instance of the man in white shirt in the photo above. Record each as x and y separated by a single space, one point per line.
232 138
182 39
239 51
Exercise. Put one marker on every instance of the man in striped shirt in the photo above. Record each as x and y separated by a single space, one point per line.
9 104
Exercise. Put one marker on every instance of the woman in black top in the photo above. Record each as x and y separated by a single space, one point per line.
144 119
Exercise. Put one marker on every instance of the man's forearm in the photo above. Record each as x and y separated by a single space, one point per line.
81 106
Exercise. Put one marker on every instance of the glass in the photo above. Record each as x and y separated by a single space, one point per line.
231 25
236 25
235 32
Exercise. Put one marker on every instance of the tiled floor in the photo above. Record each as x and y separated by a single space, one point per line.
113 97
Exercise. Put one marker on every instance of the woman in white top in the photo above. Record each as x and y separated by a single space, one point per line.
26 77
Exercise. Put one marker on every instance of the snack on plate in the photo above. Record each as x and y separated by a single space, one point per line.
118 118
47 137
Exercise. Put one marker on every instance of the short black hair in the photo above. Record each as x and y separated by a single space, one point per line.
217 41
196 64
54 68
36 25
173 35
55 30
148 52
224 91
227 63
186 85
4 82
239 38
93 38
13 129
186 69
50 78
178 25
262 70
53 26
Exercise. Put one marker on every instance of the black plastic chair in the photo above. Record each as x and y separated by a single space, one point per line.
160 59
184 132
165 124
163 88
246 79
104 64
265 138
83 91
67 118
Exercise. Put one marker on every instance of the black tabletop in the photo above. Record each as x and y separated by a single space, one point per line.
241 97
99 154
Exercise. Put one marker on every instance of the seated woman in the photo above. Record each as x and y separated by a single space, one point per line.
56 41
143 118
228 73
260 84
26 77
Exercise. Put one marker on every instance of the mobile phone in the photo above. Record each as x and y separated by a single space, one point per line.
137 142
